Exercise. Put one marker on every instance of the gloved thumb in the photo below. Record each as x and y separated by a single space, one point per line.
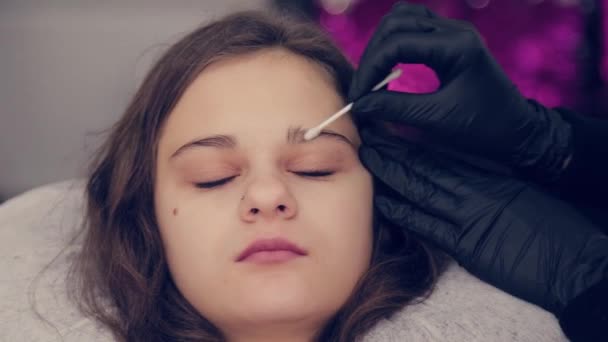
405 108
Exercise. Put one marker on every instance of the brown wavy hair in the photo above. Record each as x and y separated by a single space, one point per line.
121 277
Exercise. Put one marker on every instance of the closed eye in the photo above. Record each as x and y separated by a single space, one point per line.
219 182
315 173
209 185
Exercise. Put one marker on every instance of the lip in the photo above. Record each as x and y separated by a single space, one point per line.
271 250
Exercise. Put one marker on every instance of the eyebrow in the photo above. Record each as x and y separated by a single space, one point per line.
295 136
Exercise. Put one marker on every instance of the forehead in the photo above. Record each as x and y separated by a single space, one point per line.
264 92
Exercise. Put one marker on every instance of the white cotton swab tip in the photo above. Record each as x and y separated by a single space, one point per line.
314 132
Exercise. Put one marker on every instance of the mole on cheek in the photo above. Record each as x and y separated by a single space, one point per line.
174 211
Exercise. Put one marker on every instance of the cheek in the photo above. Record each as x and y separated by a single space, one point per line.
191 241
343 222
345 212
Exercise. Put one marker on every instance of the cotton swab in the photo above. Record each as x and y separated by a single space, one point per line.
315 131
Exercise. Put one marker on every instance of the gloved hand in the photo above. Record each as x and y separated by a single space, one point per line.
476 109
500 229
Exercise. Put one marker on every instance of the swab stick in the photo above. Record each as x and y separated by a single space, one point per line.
315 131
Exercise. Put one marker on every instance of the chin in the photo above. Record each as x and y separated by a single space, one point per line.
285 307
285 300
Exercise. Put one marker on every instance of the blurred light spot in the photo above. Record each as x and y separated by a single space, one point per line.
336 7
566 3
478 4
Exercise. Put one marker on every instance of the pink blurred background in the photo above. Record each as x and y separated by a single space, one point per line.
553 50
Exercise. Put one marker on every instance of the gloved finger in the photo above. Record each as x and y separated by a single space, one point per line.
405 17
392 25
402 17
447 50
368 74
416 158
418 110
448 170
431 192
408 216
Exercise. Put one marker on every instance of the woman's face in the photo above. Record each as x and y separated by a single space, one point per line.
250 105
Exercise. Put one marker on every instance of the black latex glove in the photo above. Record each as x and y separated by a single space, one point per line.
477 108
500 229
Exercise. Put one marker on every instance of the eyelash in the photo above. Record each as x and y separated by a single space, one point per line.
220 182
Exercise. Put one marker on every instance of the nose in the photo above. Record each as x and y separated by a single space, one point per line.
269 199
